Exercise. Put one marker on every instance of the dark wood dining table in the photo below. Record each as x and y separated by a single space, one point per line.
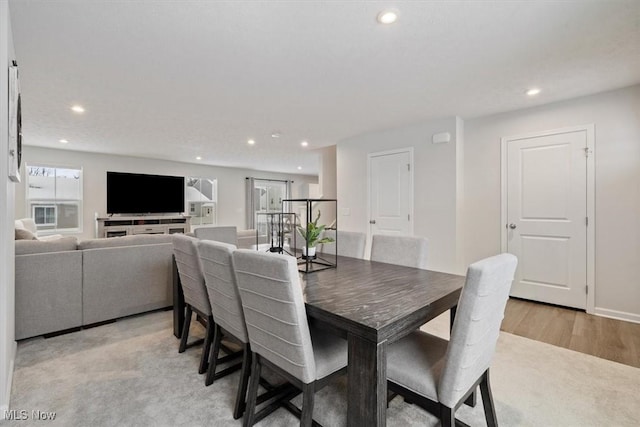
374 304
371 304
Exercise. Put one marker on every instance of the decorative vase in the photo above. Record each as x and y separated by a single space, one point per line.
309 252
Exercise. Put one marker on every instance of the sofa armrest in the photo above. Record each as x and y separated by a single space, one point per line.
48 292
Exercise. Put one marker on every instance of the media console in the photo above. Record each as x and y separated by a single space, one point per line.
116 226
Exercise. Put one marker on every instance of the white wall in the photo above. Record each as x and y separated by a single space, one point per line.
327 181
616 115
457 186
7 261
435 184
231 181
327 177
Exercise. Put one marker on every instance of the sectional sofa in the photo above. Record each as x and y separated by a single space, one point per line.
63 284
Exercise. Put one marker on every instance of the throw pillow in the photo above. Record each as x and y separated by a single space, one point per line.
24 234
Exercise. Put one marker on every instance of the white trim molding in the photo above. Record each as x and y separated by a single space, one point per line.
589 130
4 406
618 315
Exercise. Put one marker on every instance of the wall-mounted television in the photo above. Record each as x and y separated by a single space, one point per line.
136 193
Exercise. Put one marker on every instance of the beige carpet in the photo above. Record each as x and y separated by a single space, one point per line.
130 374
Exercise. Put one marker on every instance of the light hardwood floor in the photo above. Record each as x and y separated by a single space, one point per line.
573 329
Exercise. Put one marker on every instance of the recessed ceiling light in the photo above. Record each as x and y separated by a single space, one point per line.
299 168
387 16
63 141
533 91
304 143
198 158
276 134
77 109
251 142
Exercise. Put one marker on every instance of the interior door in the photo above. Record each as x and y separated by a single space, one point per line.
390 189
547 216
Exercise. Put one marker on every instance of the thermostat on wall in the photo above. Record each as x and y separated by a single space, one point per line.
441 138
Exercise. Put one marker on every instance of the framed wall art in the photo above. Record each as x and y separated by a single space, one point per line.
15 124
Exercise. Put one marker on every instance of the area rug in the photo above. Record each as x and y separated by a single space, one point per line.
129 373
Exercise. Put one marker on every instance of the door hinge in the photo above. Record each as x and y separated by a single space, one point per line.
586 151
408 217
586 289
586 221
409 167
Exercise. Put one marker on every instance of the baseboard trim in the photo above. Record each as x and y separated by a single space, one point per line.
618 315
4 406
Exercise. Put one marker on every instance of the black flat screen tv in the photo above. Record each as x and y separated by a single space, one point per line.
135 193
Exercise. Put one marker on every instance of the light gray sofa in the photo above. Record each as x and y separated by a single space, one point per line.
125 275
243 239
62 284
48 286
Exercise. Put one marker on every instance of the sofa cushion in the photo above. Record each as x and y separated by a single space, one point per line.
24 247
27 224
24 234
136 240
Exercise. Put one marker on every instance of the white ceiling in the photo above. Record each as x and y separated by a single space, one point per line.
180 79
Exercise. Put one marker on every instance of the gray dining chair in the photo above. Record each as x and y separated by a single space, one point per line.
409 251
226 307
225 234
195 293
440 375
279 333
350 243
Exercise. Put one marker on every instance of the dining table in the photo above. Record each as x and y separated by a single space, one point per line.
374 304
371 304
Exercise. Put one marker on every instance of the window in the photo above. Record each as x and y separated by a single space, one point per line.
54 198
44 215
202 198
265 197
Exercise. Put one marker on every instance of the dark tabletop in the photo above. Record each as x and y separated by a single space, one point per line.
376 300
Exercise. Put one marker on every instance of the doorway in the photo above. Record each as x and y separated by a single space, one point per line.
548 215
391 192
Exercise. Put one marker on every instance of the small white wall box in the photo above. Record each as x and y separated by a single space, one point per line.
441 138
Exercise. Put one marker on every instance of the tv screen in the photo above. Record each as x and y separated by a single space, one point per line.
135 193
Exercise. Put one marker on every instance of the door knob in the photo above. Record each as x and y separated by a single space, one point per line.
373 221
512 226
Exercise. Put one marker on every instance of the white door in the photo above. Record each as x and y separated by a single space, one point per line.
546 218
390 192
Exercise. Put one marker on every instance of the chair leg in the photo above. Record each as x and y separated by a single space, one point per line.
213 356
241 394
250 411
206 348
185 330
447 416
308 393
487 401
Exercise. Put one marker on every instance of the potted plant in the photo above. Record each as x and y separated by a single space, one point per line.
311 235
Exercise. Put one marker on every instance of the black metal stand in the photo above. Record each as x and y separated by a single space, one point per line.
319 261
277 228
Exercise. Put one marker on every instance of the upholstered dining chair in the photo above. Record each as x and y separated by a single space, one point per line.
409 251
279 333
440 375
225 234
226 307
350 243
195 293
